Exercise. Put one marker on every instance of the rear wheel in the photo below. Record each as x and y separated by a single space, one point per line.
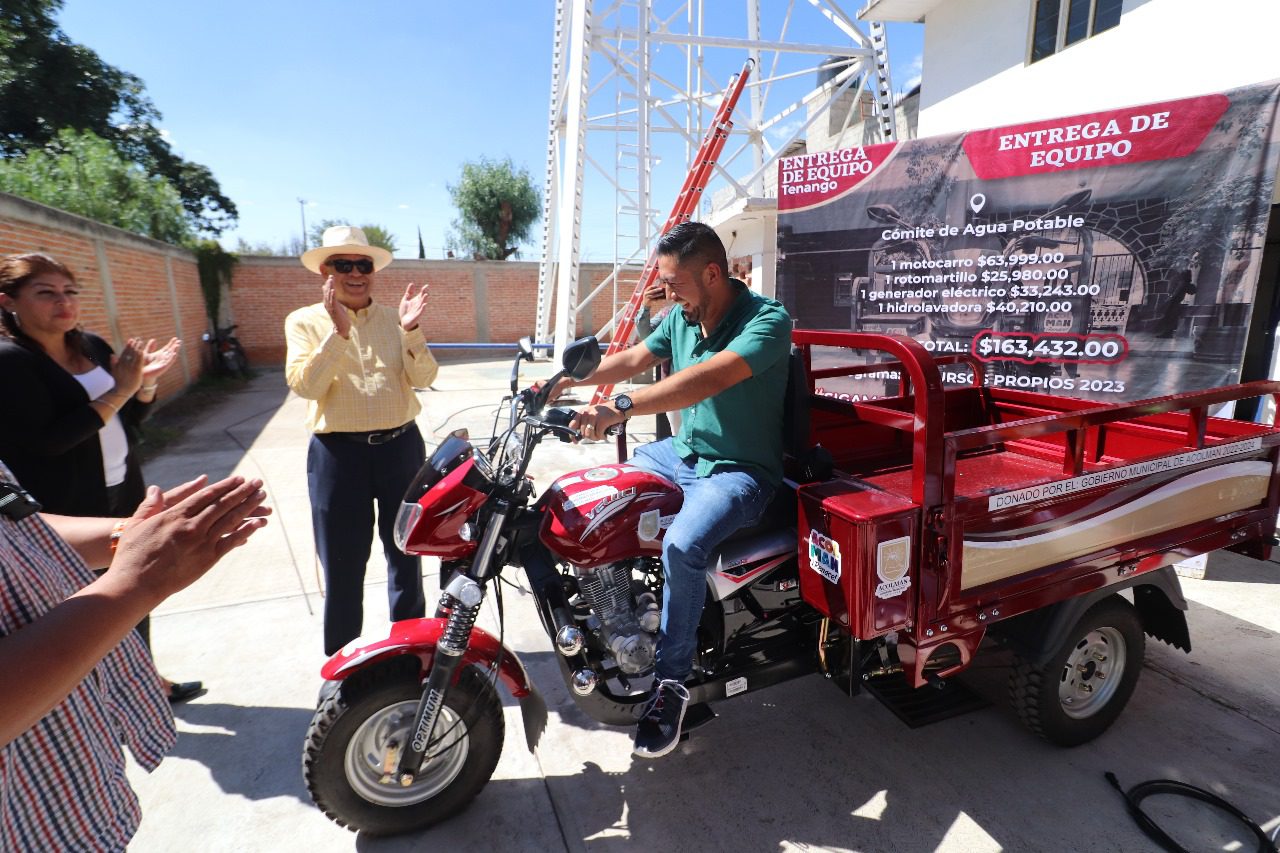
352 735
237 362
1080 691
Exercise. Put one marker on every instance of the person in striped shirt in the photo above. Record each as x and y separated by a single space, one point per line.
357 362
78 680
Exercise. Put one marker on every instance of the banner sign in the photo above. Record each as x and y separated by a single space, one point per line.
1111 256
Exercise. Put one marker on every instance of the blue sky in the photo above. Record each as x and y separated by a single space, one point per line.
368 111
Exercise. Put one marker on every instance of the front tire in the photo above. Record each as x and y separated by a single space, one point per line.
1080 691
347 742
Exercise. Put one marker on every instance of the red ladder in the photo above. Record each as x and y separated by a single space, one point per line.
704 163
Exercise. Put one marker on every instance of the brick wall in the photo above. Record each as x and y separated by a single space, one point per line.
133 286
470 301
130 286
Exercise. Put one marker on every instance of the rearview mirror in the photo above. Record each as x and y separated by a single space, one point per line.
582 357
526 348
885 214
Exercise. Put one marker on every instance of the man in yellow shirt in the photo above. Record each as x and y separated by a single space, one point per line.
357 362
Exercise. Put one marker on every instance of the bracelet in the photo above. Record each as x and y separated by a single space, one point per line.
117 530
150 388
104 401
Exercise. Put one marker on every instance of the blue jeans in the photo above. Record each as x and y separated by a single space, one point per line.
714 507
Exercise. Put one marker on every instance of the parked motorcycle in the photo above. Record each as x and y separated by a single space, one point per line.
229 358
409 727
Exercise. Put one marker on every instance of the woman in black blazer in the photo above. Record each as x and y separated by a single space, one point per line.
70 403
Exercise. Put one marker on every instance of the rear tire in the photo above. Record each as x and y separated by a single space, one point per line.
238 363
347 740
1079 692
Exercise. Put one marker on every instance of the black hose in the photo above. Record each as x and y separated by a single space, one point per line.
1139 792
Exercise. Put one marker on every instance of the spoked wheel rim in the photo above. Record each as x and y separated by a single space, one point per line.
1092 673
367 751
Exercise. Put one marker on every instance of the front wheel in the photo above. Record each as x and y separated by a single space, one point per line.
1080 691
352 735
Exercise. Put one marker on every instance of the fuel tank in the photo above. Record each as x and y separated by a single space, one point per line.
600 515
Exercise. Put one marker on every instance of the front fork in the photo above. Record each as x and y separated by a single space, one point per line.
460 602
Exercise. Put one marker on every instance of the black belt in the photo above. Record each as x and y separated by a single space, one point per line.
377 436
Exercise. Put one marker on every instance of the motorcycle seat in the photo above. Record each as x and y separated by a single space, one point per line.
779 514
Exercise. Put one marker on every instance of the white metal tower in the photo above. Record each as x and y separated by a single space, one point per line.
633 83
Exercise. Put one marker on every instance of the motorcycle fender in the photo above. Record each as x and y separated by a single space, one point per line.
419 637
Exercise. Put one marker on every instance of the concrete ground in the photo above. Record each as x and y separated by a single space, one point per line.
794 767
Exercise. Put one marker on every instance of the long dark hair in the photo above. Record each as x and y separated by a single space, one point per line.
16 272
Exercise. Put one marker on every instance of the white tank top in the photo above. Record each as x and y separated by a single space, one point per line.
115 445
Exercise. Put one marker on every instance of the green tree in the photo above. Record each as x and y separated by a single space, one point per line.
379 236
496 205
83 174
375 234
49 83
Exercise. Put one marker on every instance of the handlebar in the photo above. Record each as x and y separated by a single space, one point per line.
555 420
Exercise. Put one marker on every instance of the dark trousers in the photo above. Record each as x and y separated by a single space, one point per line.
122 502
345 479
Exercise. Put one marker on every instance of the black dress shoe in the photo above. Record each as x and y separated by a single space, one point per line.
184 691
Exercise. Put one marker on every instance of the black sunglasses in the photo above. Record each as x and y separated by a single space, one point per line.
342 265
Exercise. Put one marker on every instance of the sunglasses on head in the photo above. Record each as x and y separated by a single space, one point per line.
342 265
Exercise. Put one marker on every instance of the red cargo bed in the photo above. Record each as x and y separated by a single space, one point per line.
999 501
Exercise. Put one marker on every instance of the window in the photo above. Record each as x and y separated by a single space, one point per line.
1056 24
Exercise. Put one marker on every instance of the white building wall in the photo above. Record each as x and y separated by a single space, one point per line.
976 73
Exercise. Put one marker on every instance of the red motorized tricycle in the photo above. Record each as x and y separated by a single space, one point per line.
912 529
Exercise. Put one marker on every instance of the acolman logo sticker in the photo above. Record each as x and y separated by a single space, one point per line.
652 523
824 556
893 559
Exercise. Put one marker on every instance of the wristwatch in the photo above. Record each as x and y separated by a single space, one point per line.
623 404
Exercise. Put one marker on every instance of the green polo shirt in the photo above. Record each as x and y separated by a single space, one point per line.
741 425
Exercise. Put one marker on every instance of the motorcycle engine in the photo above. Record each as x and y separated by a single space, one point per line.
628 625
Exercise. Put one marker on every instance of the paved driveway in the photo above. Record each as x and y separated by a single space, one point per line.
793 767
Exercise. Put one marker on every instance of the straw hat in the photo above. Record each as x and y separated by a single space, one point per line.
344 240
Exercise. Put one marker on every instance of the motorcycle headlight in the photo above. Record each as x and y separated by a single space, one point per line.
507 453
406 518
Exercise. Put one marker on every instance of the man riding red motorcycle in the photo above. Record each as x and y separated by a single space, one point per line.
857 571
728 347
409 725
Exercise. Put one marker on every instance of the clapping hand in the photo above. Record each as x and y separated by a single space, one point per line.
126 368
177 536
157 501
337 311
412 306
156 361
